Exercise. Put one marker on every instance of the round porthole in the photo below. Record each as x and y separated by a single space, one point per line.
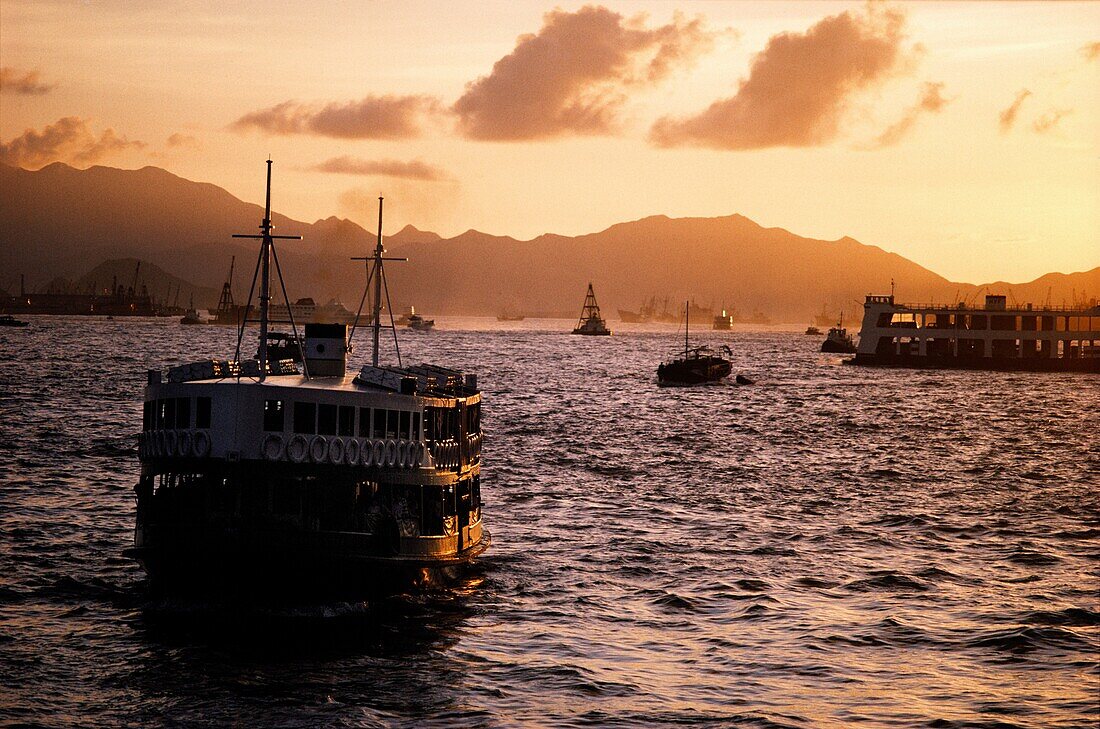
320 349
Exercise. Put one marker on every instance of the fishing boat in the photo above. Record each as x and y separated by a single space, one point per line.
839 341
259 476
7 320
695 365
590 322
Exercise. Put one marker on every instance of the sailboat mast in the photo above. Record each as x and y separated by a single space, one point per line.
378 251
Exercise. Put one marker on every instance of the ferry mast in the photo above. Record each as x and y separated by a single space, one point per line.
378 273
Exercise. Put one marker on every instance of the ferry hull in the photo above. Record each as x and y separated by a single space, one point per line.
986 363
286 565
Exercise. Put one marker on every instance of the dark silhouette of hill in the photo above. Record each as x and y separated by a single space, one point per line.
59 221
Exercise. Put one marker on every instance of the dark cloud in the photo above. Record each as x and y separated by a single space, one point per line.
1049 122
414 170
1009 114
1091 51
570 77
25 83
931 101
799 86
374 117
179 139
68 139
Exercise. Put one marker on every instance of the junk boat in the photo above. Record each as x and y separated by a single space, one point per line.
591 323
697 365
996 337
839 340
259 477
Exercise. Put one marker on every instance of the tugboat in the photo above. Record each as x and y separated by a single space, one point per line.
192 317
260 479
591 323
696 366
839 341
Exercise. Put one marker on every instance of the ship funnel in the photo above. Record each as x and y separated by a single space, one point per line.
326 350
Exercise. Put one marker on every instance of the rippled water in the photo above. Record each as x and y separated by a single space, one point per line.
830 546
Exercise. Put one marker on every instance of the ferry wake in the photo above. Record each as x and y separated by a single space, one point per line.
258 476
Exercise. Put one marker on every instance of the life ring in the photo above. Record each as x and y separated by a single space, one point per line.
272 447
201 446
351 452
171 442
318 449
297 448
379 451
336 450
184 445
402 453
416 452
366 453
391 453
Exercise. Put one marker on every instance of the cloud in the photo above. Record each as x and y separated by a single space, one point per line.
570 77
67 139
373 117
414 170
1091 51
1048 122
25 84
178 139
931 101
1009 114
799 86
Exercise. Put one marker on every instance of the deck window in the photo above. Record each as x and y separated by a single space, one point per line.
379 424
326 419
202 412
406 423
274 411
347 420
416 426
391 423
305 417
183 412
364 422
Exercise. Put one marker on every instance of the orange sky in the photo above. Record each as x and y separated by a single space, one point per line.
961 135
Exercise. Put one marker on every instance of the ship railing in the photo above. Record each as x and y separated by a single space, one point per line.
1013 310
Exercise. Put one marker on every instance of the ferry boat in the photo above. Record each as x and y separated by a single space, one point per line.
697 365
258 476
995 337
591 323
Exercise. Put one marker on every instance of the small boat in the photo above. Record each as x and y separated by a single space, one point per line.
510 317
192 316
7 320
742 380
812 330
417 322
696 365
591 323
839 341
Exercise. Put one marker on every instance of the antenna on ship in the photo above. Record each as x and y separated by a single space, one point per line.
377 274
263 264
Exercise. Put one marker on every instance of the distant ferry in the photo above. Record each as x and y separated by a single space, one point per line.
258 476
723 322
996 337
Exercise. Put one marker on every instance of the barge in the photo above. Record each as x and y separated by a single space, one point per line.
995 337
260 476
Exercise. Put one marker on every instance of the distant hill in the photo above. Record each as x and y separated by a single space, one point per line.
58 221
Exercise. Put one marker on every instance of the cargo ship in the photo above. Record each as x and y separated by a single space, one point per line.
995 337
259 477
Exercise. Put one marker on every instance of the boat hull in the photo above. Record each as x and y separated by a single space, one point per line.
979 363
694 374
835 347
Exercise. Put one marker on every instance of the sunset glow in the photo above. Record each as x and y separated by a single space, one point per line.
960 135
